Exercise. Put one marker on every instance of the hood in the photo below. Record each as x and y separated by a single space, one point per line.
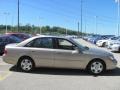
104 40
98 52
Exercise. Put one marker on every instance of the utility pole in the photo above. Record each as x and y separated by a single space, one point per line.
118 11
85 26
96 24
40 32
18 15
78 29
81 16
118 16
66 31
12 23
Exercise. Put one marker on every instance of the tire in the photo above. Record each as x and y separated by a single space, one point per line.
104 44
119 50
96 67
26 64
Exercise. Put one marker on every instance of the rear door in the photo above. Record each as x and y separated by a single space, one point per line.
41 50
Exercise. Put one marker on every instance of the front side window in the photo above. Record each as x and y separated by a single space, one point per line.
41 43
65 44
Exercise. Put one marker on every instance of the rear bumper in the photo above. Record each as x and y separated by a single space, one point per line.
9 60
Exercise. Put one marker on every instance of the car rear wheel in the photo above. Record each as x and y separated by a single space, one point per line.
26 64
96 67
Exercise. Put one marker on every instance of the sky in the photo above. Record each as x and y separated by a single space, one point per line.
99 16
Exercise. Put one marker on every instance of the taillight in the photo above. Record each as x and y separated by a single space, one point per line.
5 51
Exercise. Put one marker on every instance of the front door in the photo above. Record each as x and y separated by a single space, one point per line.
65 55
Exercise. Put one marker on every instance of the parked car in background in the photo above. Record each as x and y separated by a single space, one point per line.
88 37
95 39
22 36
115 48
58 52
7 39
91 38
103 42
112 41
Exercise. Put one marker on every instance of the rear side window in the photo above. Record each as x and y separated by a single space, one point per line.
41 43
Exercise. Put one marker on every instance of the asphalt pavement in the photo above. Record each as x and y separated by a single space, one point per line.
58 79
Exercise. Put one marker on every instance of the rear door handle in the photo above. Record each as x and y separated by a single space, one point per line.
33 51
58 52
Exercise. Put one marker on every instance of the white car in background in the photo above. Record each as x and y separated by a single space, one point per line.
104 42
115 48
101 43
113 41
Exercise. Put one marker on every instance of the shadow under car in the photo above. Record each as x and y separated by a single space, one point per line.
68 72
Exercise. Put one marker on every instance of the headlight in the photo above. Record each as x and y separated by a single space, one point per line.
100 41
111 57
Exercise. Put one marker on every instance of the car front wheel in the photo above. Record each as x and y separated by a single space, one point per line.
96 67
104 44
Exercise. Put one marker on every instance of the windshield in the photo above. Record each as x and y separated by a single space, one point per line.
114 38
78 42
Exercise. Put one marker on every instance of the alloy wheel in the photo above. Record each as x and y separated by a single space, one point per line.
26 65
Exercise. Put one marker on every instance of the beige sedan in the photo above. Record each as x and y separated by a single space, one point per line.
56 52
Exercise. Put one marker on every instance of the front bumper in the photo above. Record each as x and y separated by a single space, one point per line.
99 44
112 65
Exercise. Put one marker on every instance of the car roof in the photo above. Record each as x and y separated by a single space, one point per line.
49 36
43 36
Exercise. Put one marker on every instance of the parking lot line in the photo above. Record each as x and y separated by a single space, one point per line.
4 75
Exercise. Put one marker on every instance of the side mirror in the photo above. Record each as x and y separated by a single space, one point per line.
87 48
76 50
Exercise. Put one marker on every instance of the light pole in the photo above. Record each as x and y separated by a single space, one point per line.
78 29
66 31
81 15
18 15
118 11
40 32
6 14
12 23
96 24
